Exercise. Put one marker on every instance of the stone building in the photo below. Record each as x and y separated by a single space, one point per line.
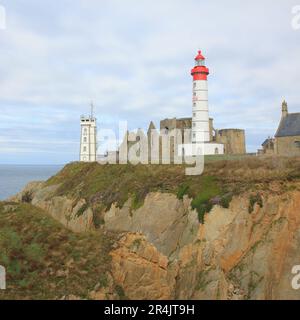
234 140
267 147
287 137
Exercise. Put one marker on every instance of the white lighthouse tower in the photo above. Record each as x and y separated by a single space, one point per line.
200 116
88 138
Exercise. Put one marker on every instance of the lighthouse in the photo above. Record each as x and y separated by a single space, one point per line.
201 131
200 117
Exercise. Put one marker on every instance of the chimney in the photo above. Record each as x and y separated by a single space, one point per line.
284 109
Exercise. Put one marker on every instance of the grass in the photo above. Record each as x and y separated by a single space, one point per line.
224 176
81 211
44 260
182 191
202 201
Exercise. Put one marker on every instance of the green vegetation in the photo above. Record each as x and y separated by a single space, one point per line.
27 197
116 184
44 260
103 280
202 202
254 281
136 244
81 211
224 177
225 201
182 191
120 292
255 199
202 281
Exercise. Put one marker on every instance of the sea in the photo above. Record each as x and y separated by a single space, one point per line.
13 178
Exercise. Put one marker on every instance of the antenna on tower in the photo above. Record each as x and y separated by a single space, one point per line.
92 110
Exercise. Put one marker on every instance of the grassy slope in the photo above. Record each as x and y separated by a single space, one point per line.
46 261
102 185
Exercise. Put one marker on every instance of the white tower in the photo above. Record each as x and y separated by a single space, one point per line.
200 118
88 139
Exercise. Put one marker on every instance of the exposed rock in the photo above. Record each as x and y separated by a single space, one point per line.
31 188
67 211
235 255
141 270
167 222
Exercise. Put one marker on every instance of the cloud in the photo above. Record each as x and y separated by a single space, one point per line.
133 60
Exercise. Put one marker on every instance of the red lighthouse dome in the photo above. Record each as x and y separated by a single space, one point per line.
199 56
200 72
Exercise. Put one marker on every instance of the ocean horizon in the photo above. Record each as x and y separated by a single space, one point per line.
13 178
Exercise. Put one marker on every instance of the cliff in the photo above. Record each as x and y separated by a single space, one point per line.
232 233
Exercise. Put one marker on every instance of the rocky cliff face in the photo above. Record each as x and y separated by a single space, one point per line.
72 213
165 253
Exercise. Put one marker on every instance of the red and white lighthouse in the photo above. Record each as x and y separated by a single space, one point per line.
200 118
200 142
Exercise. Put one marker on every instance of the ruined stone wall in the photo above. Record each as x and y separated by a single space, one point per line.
174 123
287 146
233 139
183 123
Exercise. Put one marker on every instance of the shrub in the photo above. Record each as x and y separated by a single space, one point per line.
182 191
27 197
98 219
202 208
120 292
225 201
255 199
81 211
103 281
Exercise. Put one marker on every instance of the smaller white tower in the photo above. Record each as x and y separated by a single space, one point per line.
88 138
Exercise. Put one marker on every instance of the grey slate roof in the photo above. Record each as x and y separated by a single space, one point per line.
267 141
289 126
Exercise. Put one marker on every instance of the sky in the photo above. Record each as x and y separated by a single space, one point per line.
133 58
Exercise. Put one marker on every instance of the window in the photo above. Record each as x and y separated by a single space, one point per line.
85 139
84 149
194 94
194 114
194 104
297 143
194 124
85 131
200 63
195 84
194 135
